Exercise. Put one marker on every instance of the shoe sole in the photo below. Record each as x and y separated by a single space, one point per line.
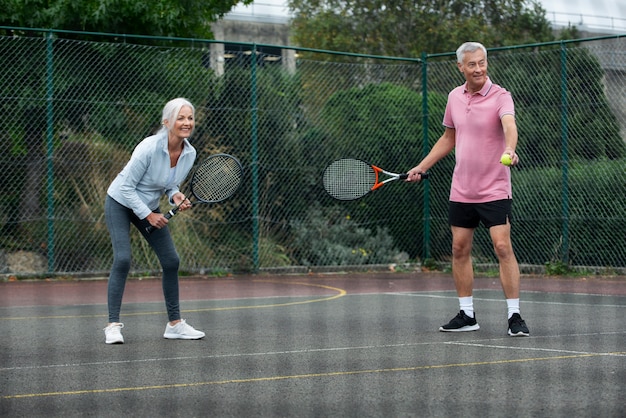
519 334
181 337
462 329
115 342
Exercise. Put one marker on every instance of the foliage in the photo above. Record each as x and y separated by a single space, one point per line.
406 28
589 224
115 91
329 237
350 114
167 18
592 129
557 268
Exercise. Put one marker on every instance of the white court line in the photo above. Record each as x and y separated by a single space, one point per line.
320 350
552 350
218 356
474 343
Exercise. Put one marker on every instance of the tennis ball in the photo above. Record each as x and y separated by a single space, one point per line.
506 159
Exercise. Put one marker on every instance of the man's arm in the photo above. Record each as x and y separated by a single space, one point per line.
442 147
510 137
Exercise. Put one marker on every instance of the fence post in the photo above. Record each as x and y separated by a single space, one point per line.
425 114
50 147
564 158
255 159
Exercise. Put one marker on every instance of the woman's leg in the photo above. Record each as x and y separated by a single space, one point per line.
161 242
118 219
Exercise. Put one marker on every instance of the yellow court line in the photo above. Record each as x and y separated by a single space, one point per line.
340 293
304 376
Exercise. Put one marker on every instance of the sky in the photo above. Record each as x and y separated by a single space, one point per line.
595 13
605 14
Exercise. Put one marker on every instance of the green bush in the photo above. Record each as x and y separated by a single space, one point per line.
329 237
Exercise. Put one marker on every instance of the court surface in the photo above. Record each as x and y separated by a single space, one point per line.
324 345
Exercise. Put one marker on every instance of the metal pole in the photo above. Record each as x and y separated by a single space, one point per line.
425 112
564 158
50 148
255 159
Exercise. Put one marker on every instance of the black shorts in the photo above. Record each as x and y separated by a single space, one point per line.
469 215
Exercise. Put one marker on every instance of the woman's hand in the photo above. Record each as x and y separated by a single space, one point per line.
182 201
157 220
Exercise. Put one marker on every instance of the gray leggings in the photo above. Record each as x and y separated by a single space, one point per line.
118 220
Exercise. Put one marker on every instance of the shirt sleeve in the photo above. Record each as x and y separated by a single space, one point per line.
505 104
448 122
184 166
135 170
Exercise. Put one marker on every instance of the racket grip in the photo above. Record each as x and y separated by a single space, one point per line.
171 212
406 176
168 215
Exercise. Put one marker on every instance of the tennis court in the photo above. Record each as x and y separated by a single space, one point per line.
354 344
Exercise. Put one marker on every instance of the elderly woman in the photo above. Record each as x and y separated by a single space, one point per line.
157 167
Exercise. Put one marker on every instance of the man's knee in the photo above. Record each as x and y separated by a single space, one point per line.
503 249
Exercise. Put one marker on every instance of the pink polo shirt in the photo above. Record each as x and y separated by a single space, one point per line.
478 175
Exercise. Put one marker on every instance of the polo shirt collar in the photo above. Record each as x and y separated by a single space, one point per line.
484 90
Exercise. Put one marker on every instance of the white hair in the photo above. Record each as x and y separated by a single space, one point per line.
469 47
171 111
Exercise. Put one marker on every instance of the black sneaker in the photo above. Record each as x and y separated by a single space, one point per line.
460 323
517 326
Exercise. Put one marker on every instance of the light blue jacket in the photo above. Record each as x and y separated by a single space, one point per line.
146 176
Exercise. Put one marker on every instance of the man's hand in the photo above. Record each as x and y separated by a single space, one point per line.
415 174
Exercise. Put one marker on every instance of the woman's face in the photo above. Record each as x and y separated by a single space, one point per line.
183 125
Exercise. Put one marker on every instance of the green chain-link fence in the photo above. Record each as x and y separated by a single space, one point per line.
73 110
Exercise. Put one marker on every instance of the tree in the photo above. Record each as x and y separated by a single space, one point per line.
407 27
182 18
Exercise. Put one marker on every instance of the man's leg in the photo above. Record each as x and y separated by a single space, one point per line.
509 277
509 269
462 269
463 274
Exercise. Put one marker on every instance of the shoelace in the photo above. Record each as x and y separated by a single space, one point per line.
116 328
183 327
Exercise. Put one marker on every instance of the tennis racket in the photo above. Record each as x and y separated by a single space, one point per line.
351 179
216 179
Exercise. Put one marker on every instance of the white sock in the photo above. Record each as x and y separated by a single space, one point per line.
512 306
467 305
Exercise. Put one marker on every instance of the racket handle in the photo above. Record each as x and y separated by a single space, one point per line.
168 215
406 176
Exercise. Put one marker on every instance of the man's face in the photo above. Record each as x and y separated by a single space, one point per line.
474 68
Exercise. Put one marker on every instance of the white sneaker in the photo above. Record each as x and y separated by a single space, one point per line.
182 331
113 333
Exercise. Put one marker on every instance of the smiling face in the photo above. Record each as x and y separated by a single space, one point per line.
183 125
474 69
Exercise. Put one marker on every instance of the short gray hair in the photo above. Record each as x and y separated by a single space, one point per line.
172 109
469 47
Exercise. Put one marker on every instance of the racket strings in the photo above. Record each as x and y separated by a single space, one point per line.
349 179
216 179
